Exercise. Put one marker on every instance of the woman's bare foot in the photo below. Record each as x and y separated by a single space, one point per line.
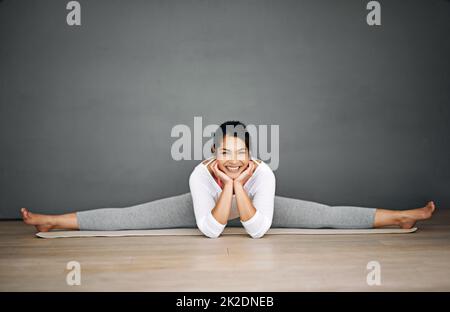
408 218
43 223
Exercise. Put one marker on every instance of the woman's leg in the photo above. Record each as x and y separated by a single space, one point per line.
170 212
296 213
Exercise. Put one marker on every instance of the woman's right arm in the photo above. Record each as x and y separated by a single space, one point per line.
221 211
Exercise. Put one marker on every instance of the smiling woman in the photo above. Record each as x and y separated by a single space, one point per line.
241 190
229 188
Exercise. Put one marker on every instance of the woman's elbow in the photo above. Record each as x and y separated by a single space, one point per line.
262 232
208 233
212 235
259 234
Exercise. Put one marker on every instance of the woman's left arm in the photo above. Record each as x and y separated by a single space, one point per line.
256 216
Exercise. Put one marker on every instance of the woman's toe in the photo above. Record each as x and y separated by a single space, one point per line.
433 205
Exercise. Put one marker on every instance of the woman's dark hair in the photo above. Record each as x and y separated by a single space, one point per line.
232 128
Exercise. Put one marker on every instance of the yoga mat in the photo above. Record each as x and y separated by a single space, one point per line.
227 231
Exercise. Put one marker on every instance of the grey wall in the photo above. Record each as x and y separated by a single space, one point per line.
86 112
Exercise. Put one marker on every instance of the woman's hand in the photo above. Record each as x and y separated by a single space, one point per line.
220 174
246 174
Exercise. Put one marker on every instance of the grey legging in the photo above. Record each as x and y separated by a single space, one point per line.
178 212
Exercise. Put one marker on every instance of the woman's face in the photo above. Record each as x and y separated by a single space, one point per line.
232 156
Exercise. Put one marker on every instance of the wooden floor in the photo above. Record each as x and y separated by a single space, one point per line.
409 262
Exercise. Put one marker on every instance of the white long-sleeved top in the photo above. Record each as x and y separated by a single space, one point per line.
205 192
